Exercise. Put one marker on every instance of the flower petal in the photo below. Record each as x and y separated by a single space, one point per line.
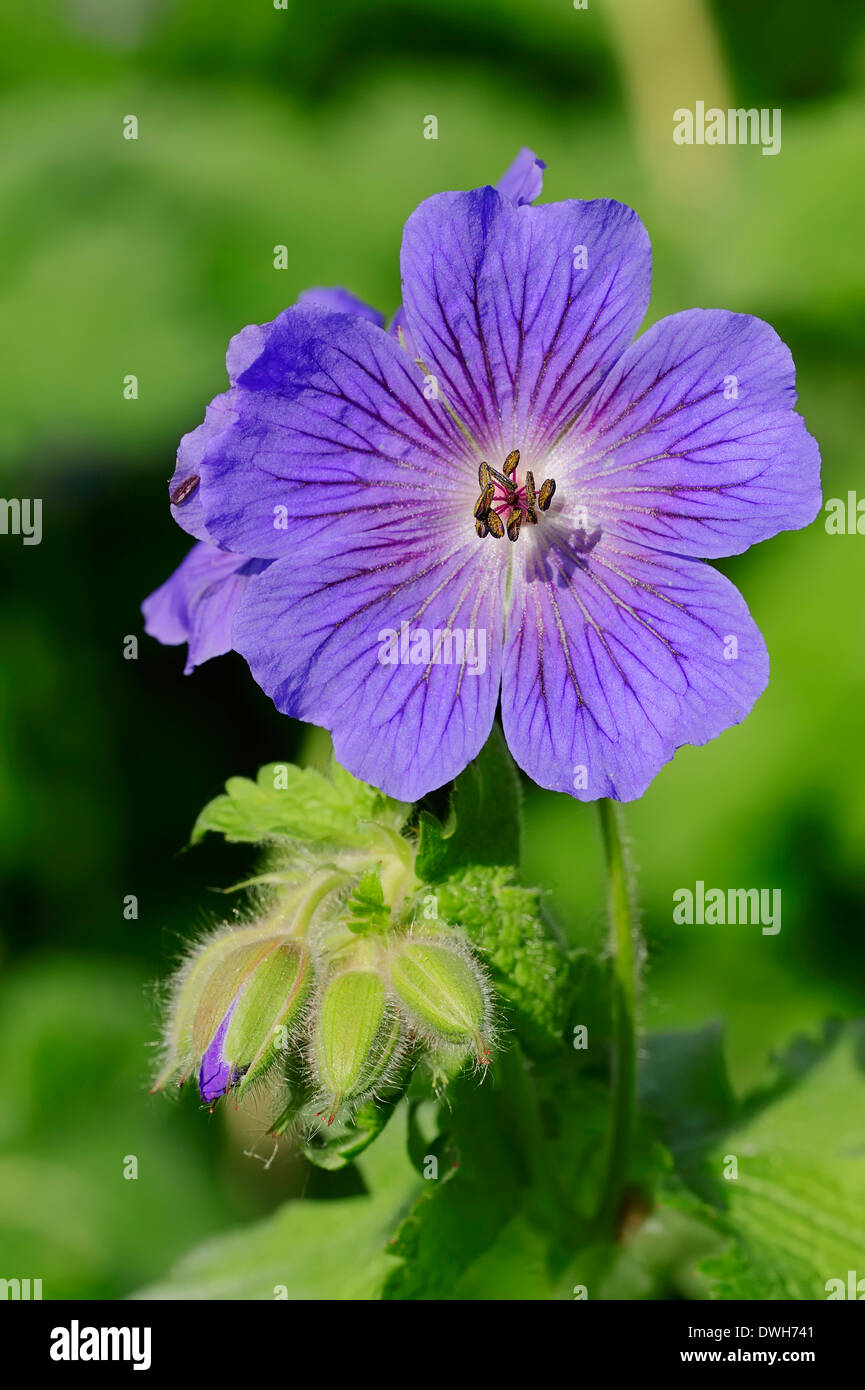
692 444
341 301
331 432
616 656
198 602
398 326
243 350
215 1073
523 180
518 326
186 479
408 709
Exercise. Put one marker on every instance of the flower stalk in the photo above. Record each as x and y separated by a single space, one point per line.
624 994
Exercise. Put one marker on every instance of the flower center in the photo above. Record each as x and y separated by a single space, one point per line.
505 503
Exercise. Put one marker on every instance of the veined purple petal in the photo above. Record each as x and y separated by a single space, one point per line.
341 301
519 312
374 644
399 328
198 602
186 479
215 1071
523 180
692 444
334 432
617 656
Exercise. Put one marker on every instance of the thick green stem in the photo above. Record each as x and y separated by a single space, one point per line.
622 933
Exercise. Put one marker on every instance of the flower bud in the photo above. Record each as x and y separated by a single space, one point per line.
356 1037
233 1008
443 991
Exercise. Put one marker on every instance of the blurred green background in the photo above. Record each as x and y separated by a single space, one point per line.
304 126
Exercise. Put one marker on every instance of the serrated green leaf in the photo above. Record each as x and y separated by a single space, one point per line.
530 970
484 821
685 1089
288 802
794 1213
366 906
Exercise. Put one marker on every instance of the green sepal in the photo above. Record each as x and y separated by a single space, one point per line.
355 1036
268 1009
442 990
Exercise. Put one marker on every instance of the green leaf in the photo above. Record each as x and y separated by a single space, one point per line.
333 1151
367 905
461 1211
322 1250
525 1147
530 970
288 802
484 822
685 1089
794 1213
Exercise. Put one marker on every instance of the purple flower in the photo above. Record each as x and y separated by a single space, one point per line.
503 493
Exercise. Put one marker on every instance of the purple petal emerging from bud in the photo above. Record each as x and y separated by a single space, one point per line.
215 1076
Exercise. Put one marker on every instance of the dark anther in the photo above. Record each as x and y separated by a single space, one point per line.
545 496
184 490
483 503
500 490
510 463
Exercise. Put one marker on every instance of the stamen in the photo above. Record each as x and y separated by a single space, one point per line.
483 503
510 463
184 490
500 478
545 496
503 490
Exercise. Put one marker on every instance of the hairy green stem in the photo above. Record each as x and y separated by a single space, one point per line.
622 933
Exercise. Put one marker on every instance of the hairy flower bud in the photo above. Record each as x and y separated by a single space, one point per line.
444 993
356 1037
235 1004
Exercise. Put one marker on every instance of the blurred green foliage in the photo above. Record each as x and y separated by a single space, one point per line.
304 127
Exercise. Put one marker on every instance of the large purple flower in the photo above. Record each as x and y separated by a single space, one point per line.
503 492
